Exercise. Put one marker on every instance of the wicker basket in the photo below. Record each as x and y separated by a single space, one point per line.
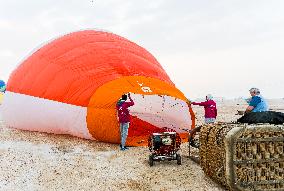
243 157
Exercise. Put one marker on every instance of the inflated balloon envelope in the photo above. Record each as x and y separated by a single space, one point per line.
72 84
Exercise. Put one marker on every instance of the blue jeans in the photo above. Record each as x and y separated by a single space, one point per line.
210 120
123 133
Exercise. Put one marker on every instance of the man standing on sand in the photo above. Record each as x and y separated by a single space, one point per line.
209 107
256 103
210 116
124 118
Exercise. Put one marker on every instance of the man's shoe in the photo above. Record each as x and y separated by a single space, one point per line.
122 149
194 143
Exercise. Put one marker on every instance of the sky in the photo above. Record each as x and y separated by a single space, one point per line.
222 47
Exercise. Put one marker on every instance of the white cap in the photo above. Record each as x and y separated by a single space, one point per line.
209 97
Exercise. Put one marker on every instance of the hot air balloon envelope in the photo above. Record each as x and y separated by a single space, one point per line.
72 84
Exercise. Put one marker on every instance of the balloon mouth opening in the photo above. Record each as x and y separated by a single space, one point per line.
158 113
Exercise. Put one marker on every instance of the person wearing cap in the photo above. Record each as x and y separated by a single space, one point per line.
124 118
256 103
209 107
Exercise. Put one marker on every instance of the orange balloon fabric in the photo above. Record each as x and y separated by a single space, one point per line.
71 68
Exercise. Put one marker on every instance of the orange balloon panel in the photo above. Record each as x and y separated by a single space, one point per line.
71 68
102 121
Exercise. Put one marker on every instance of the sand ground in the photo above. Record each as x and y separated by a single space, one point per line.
41 161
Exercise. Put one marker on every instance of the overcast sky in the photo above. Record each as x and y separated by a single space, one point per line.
222 47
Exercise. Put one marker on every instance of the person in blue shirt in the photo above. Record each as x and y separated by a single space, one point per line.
256 103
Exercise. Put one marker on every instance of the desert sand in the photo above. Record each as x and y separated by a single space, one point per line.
41 161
